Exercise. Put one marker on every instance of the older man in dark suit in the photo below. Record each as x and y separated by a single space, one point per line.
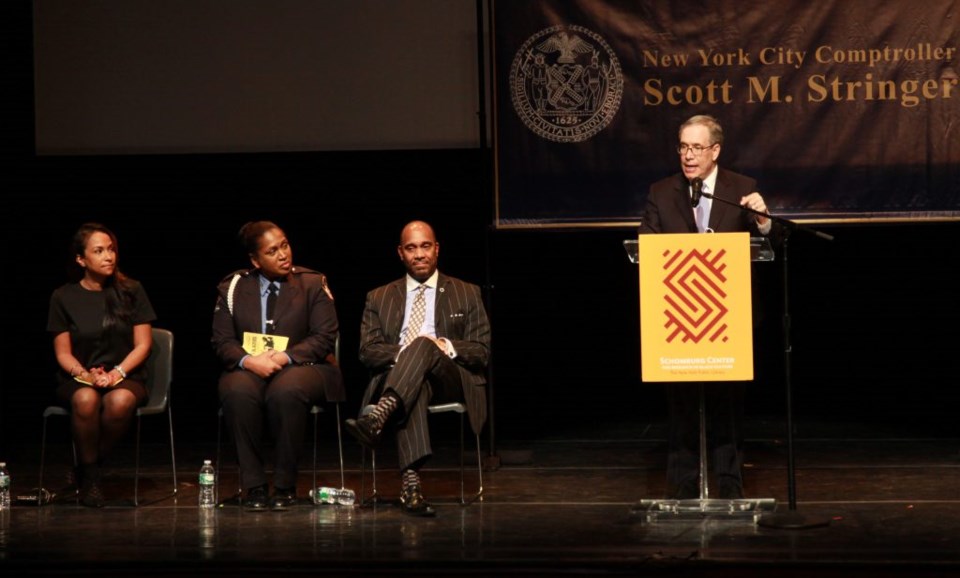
426 338
676 205
274 331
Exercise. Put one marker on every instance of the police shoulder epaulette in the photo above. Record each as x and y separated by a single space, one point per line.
238 273
298 270
323 279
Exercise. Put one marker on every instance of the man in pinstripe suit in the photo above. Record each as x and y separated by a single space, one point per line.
442 361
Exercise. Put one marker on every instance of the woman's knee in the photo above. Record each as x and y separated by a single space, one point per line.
119 403
85 402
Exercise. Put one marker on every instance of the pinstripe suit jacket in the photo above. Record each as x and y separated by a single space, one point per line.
305 314
460 318
668 207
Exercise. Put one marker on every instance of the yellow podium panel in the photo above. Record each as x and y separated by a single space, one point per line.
695 307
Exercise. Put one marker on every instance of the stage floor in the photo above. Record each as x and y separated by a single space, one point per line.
555 506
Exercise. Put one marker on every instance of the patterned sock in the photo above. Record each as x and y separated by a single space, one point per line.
409 477
386 405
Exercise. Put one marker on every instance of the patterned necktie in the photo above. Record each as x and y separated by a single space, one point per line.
418 313
270 325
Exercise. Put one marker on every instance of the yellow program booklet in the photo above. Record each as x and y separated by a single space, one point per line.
257 343
86 382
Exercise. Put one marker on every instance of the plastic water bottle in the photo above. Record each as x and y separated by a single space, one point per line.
208 481
342 496
4 487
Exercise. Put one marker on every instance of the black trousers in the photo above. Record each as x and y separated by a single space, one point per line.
724 417
423 375
284 400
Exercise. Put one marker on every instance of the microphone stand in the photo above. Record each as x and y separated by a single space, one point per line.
790 520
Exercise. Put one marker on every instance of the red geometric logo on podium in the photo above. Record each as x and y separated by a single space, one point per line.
695 296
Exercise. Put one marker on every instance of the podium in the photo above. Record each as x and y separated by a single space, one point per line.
704 507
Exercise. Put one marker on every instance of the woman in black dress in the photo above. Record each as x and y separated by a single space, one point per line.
102 336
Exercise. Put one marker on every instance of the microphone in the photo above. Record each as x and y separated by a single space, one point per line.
697 185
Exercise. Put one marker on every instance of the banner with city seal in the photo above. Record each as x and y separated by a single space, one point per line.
565 83
844 110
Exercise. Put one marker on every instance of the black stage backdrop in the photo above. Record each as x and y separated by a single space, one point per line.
842 109
873 311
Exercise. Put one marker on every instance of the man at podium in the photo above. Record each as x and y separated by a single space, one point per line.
684 203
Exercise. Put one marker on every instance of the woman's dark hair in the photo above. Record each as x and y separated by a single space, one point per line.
250 233
118 288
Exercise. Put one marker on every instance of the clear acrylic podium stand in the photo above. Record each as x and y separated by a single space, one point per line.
760 250
705 507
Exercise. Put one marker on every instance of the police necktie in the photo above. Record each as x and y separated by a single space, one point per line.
270 325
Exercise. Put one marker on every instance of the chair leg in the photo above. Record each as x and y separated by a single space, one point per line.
343 482
136 469
479 494
173 460
76 466
314 486
43 454
363 475
463 501
217 466
373 467
374 497
173 454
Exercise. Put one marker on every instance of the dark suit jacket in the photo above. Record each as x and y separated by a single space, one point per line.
460 318
668 208
304 313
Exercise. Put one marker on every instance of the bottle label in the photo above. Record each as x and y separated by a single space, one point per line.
324 495
321 495
4 481
206 479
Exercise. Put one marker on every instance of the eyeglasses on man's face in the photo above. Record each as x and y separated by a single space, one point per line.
697 150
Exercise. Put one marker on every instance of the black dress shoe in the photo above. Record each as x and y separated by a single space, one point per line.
256 499
366 430
412 502
283 499
91 495
88 478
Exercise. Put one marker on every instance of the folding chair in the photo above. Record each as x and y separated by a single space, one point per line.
159 378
